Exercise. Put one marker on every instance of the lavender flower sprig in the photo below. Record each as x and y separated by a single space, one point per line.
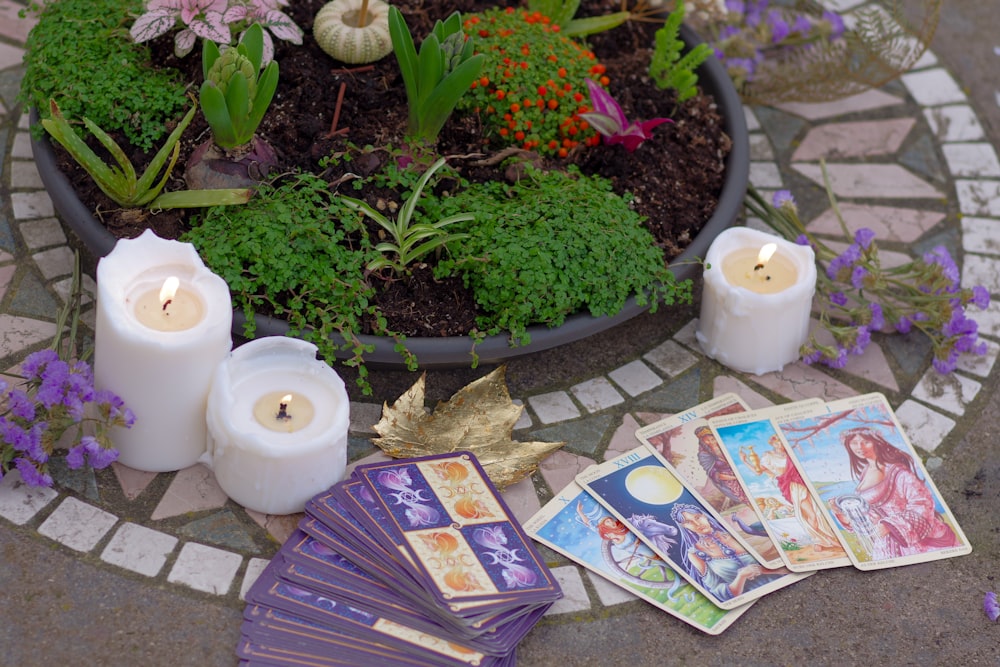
57 398
856 295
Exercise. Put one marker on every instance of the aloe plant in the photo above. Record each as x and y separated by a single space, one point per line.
121 182
236 93
438 76
409 241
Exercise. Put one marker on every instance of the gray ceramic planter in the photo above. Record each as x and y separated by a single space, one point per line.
451 352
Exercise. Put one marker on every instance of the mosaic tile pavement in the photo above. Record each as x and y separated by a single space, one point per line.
910 160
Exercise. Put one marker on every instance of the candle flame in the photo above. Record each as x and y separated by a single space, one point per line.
287 398
169 289
765 253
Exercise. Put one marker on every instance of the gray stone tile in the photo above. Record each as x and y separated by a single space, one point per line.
553 407
582 436
222 529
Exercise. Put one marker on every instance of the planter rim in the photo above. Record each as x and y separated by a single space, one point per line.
459 351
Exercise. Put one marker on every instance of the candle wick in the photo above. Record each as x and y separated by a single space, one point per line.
283 412
165 304
758 267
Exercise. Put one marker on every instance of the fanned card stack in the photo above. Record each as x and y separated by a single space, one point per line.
721 505
407 562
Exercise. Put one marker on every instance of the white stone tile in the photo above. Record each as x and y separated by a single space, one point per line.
981 270
988 320
553 407
978 197
931 87
254 568
575 596
980 365
670 358
951 392
926 59
686 336
765 175
752 123
139 549
20 502
77 525
21 149
841 5
24 175
524 420
54 262
610 594
29 205
956 122
635 378
924 427
981 235
41 233
597 394
760 147
971 160
205 568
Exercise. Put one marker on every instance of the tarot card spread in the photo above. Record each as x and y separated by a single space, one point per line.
786 508
580 528
688 448
857 460
672 520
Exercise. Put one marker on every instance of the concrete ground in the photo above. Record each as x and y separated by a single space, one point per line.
92 592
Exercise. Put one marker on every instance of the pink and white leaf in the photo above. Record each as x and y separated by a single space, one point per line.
603 103
184 42
282 27
607 126
236 13
153 24
212 28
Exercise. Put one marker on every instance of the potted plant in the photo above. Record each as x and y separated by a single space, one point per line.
382 166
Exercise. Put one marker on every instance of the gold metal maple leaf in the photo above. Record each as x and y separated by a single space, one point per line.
479 418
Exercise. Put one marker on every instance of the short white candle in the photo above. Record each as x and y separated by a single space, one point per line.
160 360
755 309
268 458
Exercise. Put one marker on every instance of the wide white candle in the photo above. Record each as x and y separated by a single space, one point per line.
277 424
755 306
158 351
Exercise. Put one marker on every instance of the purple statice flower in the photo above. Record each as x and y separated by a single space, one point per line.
755 13
946 365
811 357
878 318
747 65
836 23
36 362
864 237
980 297
801 25
98 457
959 324
861 340
30 473
738 6
75 457
846 259
939 255
904 324
838 298
782 197
20 405
802 239
779 26
728 31
115 406
991 607
858 275
839 361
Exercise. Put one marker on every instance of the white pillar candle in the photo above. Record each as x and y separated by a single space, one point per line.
754 307
158 351
277 424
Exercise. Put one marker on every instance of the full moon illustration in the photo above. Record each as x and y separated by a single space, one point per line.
653 485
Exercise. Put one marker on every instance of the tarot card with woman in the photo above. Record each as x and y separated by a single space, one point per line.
856 458
786 508
687 447
641 492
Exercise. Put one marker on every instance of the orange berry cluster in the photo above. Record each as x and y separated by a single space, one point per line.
531 89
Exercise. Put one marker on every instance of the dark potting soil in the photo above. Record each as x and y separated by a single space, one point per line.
675 178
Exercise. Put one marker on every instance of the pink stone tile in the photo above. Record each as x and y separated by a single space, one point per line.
889 259
647 418
376 457
870 99
11 25
280 527
905 225
853 140
132 482
878 181
194 489
561 468
10 56
623 439
6 273
522 499
798 381
871 366
19 333
725 384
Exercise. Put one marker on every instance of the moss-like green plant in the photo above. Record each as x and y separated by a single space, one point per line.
67 58
668 67
531 87
546 260
297 251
